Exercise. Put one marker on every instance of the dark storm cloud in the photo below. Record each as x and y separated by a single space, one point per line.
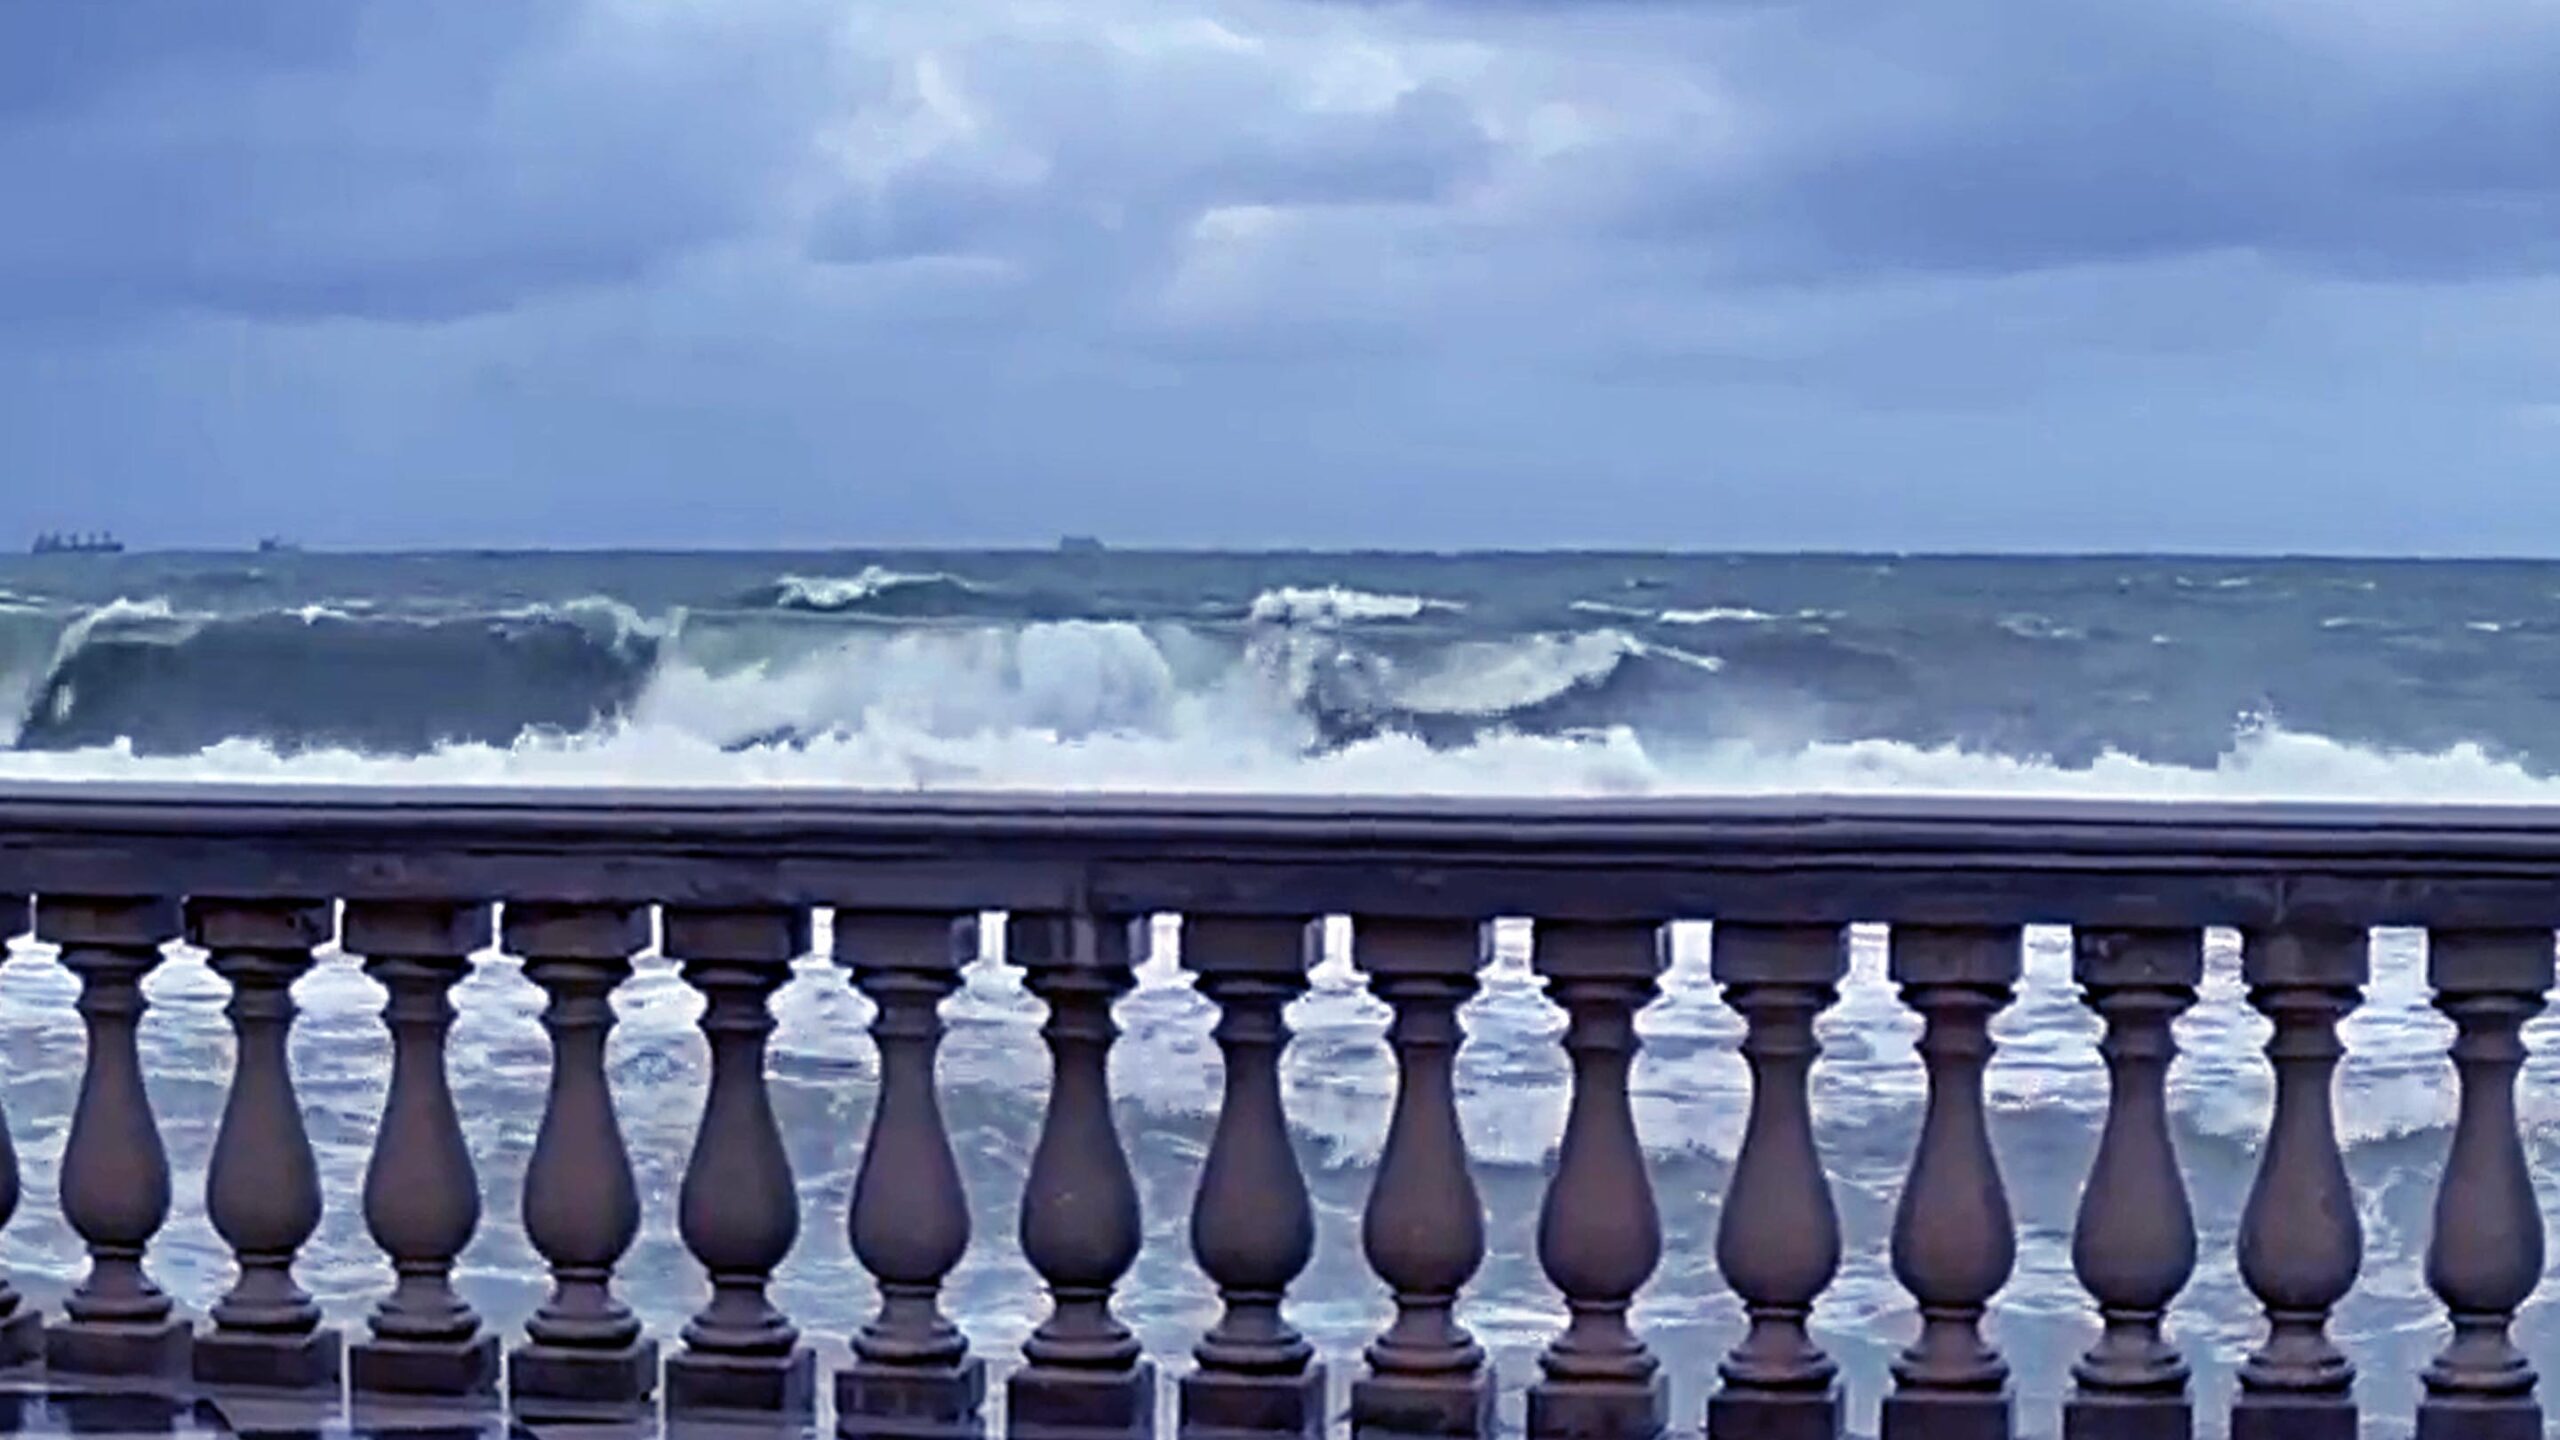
1937 272
307 157
1979 135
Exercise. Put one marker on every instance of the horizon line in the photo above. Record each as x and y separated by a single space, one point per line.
1772 552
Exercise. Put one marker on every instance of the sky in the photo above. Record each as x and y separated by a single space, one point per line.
1865 274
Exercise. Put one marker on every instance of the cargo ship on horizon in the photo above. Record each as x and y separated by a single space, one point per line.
56 542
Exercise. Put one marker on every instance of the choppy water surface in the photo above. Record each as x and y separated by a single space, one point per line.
2047 1093
1382 673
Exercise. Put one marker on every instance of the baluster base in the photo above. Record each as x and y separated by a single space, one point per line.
21 1339
1254 1405
1428 1406
1949 1415
559 1383
2128 1417
118 1412
2444 1417
2293 1417
1738 1414
275 1413
1594 1410
896 1400
761 1386
1054 1402
155 1351
250 1361
458 1370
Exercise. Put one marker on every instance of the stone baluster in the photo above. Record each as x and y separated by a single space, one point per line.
584 1350
2135 1245
910 1218
1252 1224
421 1195
739 1210
1599 1235
2300 1241
2486 1256
1423 1231
21 1326
1778 1238
1953 1245
115 1172
263 1187
1084 1372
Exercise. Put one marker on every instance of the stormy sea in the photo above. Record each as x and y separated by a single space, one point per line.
1527 674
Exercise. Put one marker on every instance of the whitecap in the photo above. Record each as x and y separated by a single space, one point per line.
1716 614
826 594
1331 605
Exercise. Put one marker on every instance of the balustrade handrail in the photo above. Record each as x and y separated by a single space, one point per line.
725 884
1779 858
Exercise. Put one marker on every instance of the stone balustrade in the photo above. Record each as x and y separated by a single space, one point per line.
578 884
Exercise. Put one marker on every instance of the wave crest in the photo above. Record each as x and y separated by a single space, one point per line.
876 588
146 675
1336 605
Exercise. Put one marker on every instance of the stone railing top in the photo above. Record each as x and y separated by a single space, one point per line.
1913 859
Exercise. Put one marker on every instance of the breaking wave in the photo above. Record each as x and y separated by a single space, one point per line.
875 589
1327 690
1335 605
162 681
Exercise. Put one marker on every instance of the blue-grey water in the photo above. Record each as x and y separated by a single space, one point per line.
1529 674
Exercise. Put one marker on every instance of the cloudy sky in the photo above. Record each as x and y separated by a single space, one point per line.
1904 274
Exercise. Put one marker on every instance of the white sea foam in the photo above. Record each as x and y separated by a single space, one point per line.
2038 627
825 592
1603 607
1705 615
601 615
1497 676
1338 605
1716 614
1128 734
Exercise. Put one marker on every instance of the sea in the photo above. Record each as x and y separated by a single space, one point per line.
1488 674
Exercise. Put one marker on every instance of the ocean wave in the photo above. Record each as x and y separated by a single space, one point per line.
1706 615
594 693
1716 614
1333 605
2039 627
1612 611
592 689
1065 681
1496 677
875 588
145 674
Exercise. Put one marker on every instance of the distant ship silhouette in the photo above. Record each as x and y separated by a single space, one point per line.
55 542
